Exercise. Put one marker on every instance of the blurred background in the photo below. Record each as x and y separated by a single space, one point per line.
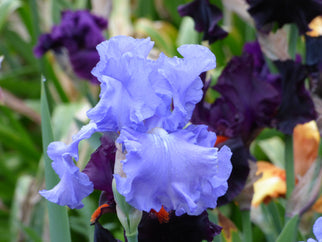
23 212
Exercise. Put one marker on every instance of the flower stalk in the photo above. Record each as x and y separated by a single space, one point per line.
289 166
129 216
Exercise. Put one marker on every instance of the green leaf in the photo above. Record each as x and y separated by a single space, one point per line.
58 219
289 231
274 148
187 34
162 33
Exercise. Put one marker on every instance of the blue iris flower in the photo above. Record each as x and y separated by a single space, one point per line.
165 161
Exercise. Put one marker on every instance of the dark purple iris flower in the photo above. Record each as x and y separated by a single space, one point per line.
182 228
248 103
296 105
248 99
206 17
179 228
252 99
268 12
79 32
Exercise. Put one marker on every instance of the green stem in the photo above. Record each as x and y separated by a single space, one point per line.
132 237
289 166
293 35
247 226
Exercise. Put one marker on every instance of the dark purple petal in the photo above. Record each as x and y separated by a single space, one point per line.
100 168
248 100
45 43
83 62
239 174
79 32
184 228
296 105
300 12
206 17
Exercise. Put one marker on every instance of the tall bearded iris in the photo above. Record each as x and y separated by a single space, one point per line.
299 12
163 162
79 32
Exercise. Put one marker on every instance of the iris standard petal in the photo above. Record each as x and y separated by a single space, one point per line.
127 97
184 86
167 169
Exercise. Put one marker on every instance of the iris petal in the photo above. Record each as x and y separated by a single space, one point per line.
74 185
172 170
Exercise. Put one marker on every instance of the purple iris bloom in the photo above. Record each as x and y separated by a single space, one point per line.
300 12
206 17
248 102
149 103
183 228
79 32
317 230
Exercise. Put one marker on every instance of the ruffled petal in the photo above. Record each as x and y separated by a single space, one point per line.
184 86
172 170
71 189
74 185
127 97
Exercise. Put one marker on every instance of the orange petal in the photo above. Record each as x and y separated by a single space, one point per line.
271 185
306 140
316 27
